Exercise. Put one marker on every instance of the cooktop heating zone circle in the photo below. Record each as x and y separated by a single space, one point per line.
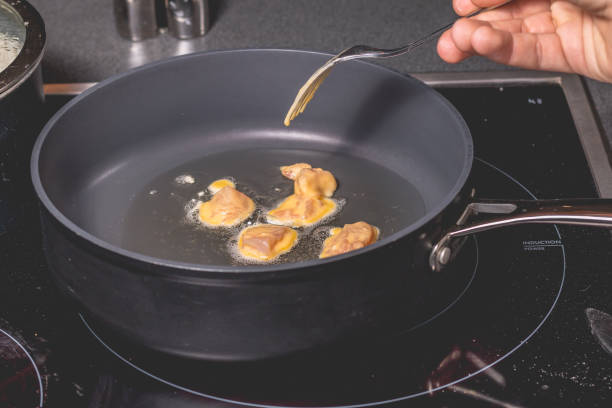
520 272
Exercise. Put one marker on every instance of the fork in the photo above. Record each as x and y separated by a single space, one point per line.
308 90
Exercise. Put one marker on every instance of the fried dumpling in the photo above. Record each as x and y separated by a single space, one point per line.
310 202
266 242
228 207
299 210
315 183
349 238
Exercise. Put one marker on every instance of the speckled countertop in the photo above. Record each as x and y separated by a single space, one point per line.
84 46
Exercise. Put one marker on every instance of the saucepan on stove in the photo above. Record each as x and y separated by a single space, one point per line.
116 168
22 40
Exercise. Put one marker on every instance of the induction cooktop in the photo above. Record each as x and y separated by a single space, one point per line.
533 327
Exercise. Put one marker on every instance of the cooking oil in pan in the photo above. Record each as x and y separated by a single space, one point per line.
166 224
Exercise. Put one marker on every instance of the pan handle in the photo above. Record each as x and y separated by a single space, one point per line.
489 214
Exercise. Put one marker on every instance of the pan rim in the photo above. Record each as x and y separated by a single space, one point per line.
232 270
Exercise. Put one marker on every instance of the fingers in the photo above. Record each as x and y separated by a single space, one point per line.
448 51
515 9
465 7
505 42
530 51
539 23
456 44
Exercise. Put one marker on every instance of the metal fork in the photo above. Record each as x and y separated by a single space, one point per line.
308 90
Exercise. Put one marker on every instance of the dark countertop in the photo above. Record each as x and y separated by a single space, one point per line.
83 44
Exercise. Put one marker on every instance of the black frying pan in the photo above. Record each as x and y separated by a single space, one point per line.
118 242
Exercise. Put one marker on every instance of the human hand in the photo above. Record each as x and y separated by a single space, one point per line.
552 35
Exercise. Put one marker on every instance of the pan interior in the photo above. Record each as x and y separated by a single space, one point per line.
398 150
159 221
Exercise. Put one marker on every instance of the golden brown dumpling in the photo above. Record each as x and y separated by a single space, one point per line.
227 208
351 237
315 183
298 210
309 203
266 242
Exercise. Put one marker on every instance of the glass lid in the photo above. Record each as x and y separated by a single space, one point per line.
12 35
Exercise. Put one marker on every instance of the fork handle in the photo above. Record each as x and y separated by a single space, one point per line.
434 34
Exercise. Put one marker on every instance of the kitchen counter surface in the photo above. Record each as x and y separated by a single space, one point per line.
83 44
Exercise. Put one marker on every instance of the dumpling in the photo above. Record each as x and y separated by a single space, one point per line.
310 202
315 183
299 211
227 208
349 238
266 242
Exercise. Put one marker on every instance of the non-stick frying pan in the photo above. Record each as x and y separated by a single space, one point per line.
107 169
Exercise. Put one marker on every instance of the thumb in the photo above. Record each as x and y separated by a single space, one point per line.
465 7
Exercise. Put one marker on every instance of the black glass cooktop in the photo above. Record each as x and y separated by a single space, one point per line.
531 329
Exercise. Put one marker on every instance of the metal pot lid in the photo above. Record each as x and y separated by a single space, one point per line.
22 40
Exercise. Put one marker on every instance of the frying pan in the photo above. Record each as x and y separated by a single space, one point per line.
109 171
